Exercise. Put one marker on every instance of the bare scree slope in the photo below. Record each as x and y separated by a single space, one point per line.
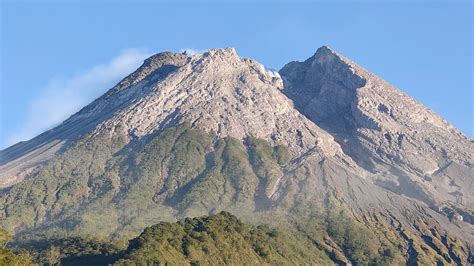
320 141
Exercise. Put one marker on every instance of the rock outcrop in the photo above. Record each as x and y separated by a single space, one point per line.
192 135
407 148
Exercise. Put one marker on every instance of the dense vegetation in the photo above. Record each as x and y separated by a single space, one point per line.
86 204
224 239
219 239
181 170
7 257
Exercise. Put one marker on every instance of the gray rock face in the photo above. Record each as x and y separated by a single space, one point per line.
217 91
349 133
407 148
220 92
23 158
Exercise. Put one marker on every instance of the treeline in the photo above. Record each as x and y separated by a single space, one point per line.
334 237
8 257
217 239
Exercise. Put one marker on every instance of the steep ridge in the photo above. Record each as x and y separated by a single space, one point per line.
24 158
409 149
195 135
218 92
167 91
228 95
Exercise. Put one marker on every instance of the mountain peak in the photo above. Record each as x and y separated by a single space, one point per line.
163 63
326 56
165 57
228 51
370 118
323 50
190 134
216 91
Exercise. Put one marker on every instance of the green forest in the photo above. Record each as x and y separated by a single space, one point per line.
109 202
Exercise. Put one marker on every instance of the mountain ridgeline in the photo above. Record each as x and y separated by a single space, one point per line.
345 167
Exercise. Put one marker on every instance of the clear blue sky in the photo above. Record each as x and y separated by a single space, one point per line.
53 48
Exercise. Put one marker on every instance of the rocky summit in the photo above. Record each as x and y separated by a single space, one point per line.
323 149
